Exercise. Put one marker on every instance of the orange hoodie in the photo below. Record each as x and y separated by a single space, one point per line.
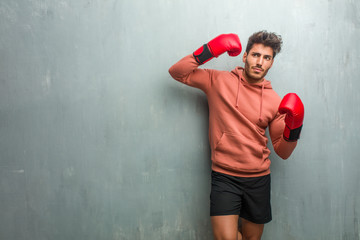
239 113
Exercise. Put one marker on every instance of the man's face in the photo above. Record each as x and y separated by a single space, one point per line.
257 61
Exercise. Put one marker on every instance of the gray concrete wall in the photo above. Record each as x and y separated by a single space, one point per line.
98 142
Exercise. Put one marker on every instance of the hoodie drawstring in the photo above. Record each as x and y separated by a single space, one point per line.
261 102
262 96
237 95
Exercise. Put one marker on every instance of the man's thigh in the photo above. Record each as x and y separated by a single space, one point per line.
225 227
250 230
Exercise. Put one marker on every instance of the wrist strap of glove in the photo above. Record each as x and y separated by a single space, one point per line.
203 54
292 135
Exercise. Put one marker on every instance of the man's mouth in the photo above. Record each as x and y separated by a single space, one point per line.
257 70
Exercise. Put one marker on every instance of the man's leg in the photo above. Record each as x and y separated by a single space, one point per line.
250 230
225 227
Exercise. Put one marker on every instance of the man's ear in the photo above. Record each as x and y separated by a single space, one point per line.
244 57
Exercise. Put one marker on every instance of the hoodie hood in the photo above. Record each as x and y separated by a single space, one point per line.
265 84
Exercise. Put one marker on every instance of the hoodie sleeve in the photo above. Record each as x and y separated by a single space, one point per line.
186 71
282 147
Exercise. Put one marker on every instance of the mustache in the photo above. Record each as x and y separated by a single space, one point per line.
257 67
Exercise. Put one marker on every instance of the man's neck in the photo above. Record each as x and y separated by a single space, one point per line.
251 80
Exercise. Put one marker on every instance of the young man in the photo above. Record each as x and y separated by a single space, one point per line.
242 104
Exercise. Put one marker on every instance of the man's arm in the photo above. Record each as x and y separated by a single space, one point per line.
285 129
282 147
186 70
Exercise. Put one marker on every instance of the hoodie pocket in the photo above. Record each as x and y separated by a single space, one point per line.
235 152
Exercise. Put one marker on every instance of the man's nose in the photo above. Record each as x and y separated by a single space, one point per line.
260 61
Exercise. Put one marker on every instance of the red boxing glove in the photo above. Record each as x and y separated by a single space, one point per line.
223 43
292 106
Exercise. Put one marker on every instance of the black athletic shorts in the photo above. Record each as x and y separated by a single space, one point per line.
247 197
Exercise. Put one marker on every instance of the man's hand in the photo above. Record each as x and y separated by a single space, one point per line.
223 43
294 109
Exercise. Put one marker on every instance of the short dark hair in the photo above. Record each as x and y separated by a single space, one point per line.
269 39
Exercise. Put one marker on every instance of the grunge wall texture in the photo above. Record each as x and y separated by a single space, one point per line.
97 141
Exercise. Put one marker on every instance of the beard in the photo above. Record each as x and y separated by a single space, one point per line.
252 75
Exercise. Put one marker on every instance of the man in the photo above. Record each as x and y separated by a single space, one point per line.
242 104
